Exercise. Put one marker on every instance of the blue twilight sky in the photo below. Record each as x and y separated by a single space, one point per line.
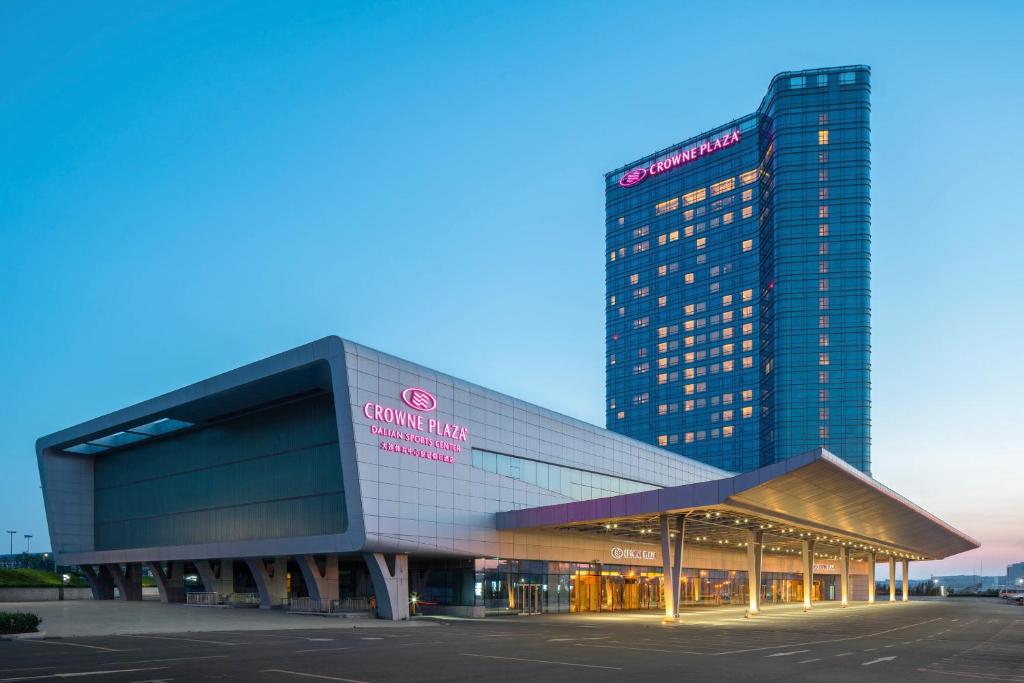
187 187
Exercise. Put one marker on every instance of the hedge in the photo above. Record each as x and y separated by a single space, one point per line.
18 622
36 578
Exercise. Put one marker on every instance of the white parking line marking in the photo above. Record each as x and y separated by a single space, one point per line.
880 659
542 661
829 640
78 674
808 661
187 640
786 654
305 675
844 654
323 649
55 642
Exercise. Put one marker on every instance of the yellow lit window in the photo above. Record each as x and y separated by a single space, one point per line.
662 301
662 440
688 309
747 294
621 415
662 332
727 300
747 212
748 328
663 363
661 240
662 377
723 186
688 389
688 231
727 349
665 207
702 242
688 341
726 415
822 359
688 357
823 211
748 344
726 399
687 405
663 409
688 438
748 177
728 365
688 278
746 196
673 236
748 362
727 316
727 218
748 245
633 279
822 137
694 197
688 373
688 326
727 431
747 411
726 333
662 270
747 311
662 347
611 256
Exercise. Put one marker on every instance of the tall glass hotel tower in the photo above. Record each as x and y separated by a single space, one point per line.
738 282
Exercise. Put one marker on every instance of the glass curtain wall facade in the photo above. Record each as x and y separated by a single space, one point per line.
738 282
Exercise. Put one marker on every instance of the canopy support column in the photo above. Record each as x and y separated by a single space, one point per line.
892 579
906 580
871 578
844 576
672 563
808 561
754 539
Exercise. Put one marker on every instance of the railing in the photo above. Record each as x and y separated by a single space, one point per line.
324 606
202 599
244 599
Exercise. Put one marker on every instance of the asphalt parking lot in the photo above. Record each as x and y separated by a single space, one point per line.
928 640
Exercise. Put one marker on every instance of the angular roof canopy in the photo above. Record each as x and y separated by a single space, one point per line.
812 496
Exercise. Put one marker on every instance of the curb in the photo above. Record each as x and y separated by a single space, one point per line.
38 635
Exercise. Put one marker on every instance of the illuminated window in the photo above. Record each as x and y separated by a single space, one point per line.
641 292
748 177
727 218
640 399
688 437
663 362
748 344
688 278
823 377
823 175
662 270
823 432
823 285
663 409
641 322
822 193
748 245
688 325
748 362
688 309
747 294
662 377
747 212
727 431
641 231
641 368
662 332
748 328
633 279
611 300
611 256
661 240
726 399
662 347
727 300
641 247
727 366
823 303
688 389
688 357
748 394
822 340
746 196
823 413
726 316
823 358
726 415
702 242
687 406
822 394
621 415
747 411
688 341
665 207
694 197
726 333
673 236
747 311
663 440
823 230
688 373
723 186
823 248
822 267
688 230
822 137
727 349
823 211
662 301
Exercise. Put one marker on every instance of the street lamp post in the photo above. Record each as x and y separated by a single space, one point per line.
12 532
28 542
